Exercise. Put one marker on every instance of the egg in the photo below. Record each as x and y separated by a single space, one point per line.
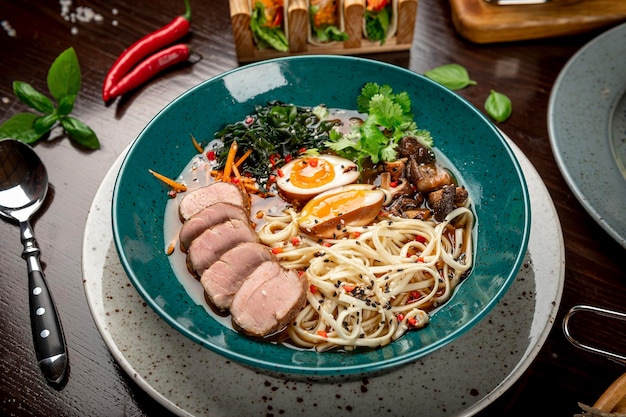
326 215
303 178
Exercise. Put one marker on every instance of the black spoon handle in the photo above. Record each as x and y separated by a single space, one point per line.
46 326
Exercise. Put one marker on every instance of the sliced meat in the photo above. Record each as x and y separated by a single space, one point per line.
216 192
268 300
224 278
213 242
209 217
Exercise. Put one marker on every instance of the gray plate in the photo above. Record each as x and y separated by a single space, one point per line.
459 379
587 127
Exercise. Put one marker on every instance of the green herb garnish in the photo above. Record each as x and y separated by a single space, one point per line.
64 80
498 106
453 76
389 119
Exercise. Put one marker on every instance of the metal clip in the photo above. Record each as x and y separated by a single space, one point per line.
601 312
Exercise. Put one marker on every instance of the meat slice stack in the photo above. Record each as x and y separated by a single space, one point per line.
237 272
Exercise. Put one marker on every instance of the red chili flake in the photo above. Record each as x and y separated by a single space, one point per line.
295 240
273 160
210 155
412 322
249 120
280 173
312 288
327 244
312 162
356 234
302 150
420 259
348 288
393 184
234 180
288 158
420 238
277 250
322 333
400 317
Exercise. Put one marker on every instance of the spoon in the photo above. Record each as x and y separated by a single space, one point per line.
23 188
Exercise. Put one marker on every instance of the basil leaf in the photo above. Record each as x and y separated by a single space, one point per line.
66 105
498 106
20 127
80 132
43 124
453 76
33 98
64 75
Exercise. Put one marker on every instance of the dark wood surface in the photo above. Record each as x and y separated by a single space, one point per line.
561 375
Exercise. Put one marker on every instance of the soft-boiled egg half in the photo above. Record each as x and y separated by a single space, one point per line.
303 178
327 214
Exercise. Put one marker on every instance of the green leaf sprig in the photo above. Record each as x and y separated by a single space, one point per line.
454 76
498 106
64 81
389 118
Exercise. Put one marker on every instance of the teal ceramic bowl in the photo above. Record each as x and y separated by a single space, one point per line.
472 143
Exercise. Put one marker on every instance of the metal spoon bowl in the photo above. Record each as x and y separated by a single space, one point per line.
23 188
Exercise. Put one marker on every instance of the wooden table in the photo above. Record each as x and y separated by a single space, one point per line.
34 33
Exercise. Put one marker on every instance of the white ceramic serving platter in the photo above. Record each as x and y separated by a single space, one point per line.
458 380
587 127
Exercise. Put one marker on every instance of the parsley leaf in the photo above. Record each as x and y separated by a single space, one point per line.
389 119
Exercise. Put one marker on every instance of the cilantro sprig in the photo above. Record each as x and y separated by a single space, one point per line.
64 81
389 118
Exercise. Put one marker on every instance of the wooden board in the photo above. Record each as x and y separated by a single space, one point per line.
483 22
298 26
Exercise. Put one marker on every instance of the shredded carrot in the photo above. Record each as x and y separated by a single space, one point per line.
196 144
178 187
228 166
251 187
243 158
237 174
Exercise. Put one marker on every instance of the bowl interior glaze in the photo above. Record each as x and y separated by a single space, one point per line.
472 143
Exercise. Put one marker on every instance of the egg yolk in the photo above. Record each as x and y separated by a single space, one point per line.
311 173
335 205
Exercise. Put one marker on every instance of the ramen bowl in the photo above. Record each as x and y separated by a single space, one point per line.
469 141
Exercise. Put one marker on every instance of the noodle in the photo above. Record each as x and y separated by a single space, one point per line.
369 289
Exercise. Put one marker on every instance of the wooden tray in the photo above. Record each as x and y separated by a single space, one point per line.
297 14
483 22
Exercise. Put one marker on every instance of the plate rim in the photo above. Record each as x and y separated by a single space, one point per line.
96 305
568 168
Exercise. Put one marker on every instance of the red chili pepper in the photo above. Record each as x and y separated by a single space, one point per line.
150 43
149 68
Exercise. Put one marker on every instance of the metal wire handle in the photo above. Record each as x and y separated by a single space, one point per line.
601 312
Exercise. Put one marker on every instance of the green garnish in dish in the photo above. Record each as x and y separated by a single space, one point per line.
278 132
389 119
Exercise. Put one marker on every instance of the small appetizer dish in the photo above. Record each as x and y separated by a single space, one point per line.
321 228
380 20
326 22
